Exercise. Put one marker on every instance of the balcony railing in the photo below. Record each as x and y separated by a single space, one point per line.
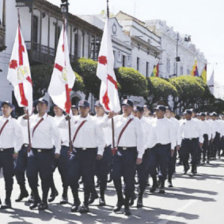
43 54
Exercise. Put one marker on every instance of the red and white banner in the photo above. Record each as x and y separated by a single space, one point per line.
105 72
63 77
19 73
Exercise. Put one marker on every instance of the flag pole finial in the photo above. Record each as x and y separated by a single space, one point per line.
108 9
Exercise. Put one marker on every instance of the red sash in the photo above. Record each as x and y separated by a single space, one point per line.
3 126
75 135
34 129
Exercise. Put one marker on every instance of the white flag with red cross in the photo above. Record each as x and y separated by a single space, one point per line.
105 72
63 77
19 73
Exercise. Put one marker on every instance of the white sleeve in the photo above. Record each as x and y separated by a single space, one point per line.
18 136
100 139
140 138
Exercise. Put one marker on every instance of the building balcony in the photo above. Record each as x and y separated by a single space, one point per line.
40 54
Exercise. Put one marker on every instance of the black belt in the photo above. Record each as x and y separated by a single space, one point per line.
161 145
190 139
126 148
6 149
41 150
84 149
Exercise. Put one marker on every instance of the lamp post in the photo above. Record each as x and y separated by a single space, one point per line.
64 8
177 57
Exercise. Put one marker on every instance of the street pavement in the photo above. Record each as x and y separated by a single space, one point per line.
198 200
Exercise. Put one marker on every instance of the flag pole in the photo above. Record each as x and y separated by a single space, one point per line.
112 120
27 110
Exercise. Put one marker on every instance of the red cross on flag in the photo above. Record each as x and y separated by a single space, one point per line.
19 73
63 77
105 72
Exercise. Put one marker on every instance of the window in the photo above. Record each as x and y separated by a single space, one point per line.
76 42
35 29
123 60
147 69
57 35
168 66
83 44
181 70
138 63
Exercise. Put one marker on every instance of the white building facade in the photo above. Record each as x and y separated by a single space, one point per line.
178 53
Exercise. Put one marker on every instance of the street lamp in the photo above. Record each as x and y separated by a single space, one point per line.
64 7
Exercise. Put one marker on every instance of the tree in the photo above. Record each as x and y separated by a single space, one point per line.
132 83
190 91
41 76
159 90
87 70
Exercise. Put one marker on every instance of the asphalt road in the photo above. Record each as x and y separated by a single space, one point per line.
198 200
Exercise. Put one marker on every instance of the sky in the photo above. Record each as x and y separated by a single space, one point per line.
202 19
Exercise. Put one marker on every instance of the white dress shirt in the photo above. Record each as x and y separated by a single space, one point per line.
107 130
133 134
90 135
63 132
11 136
46 134
149 137
189 129
164 132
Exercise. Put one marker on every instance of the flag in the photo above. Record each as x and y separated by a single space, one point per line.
19 74
155 71
63 77
211 83
194 71
204 74
105 72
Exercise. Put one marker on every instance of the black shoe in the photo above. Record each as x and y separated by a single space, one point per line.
75 207
84 209
127 211
132 200
186 168
42 206
102 202
53 195
118 206
93 197
6 205
208 162
161 190
153 188
34 204
30 199
139 203
64 200
170 184
22 195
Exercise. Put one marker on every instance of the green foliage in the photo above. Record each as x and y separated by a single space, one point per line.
87 70
160 89
131 82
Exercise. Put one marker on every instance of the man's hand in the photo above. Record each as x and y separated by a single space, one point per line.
111 114
99 157
67 117
138 161
57 155
178 147
201 144
172 152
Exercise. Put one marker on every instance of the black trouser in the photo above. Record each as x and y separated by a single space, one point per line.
124 164
206 148
159 156
82 163
103 168
40 161
190 147
216 145
62 164
7 163
20 168
172 165
143 172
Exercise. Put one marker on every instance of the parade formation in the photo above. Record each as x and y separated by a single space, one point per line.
123 142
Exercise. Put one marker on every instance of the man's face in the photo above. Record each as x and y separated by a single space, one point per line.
127 109
202 118
58 111
84 111
42 107
6 110
99 111
75 111
168 114
139 114
160 114
188 116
